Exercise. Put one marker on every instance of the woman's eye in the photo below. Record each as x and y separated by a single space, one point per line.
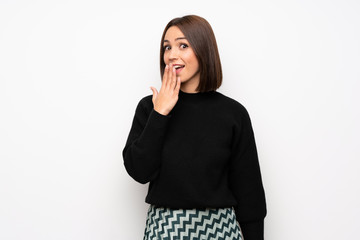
183 45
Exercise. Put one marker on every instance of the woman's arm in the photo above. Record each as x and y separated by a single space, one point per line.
142 152
245 180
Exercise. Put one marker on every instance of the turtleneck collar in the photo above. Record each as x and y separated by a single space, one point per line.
194 96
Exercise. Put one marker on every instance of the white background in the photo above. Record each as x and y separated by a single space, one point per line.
72 73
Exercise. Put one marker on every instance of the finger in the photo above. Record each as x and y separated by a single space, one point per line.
154 93
165 76
170 75
173 80
178 84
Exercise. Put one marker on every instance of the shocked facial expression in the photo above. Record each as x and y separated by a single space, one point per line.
178 51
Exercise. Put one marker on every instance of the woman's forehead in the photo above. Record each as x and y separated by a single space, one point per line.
173 34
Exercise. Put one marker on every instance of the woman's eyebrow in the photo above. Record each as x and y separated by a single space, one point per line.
179 38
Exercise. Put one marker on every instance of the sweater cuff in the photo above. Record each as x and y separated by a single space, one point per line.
161 115
253 230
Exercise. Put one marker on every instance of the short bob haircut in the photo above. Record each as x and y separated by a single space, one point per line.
202 40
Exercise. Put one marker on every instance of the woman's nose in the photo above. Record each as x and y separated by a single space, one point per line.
173 54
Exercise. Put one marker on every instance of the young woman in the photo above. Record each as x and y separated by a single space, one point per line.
195 146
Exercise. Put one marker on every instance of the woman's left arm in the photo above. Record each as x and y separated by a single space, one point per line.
245 179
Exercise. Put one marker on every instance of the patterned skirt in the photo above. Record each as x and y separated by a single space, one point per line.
188 224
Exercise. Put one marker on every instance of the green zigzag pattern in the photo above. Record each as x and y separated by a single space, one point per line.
191 224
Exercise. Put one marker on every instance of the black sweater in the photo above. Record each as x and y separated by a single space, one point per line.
202 154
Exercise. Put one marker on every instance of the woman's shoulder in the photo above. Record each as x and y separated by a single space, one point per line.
146 100
145 104
231 103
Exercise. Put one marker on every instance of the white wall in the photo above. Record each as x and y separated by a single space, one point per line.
72 73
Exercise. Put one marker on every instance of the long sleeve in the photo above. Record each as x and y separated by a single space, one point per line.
245 180
142 152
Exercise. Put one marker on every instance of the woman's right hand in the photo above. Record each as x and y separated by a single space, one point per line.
165 100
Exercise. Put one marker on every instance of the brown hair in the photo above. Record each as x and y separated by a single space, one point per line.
202 40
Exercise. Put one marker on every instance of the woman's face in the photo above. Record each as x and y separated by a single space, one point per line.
178 51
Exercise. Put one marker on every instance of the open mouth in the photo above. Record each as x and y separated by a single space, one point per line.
178 68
